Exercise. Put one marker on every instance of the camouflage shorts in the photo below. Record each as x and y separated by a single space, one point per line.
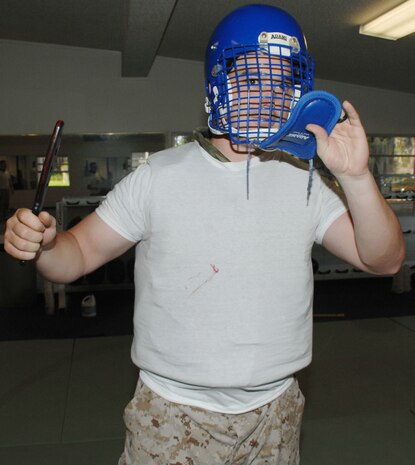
160 432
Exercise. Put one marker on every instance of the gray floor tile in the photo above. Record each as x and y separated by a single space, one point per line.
406 321
88 453
360 402
383 438
360 367
103 380
33 390
361 338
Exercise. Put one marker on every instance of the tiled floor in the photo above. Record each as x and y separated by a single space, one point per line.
61 401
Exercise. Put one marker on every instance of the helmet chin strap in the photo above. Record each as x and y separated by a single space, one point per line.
248 164
217 132
310 178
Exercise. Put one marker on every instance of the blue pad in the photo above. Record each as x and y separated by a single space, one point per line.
317 107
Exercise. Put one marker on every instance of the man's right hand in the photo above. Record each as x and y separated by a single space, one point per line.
27 233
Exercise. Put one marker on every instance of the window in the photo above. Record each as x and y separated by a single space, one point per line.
60 171
392 161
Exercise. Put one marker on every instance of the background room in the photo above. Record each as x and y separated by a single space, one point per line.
127 78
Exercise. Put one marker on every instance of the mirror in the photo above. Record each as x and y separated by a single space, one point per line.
88 164
392 161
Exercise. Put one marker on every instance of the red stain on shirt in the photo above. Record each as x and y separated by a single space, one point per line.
215 270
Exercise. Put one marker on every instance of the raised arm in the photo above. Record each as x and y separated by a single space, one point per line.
370 236
62 257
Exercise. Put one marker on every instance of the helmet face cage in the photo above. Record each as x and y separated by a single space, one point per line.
252 88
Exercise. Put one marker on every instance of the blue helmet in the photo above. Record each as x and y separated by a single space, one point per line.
256 69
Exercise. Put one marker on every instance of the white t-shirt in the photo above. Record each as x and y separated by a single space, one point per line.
224 285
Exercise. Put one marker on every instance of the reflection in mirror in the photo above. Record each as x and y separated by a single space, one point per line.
392 161
60 171
88 164
110 155
26 170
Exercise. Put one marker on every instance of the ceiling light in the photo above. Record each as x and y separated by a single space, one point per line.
396 23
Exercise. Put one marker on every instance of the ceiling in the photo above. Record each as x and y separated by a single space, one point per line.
142 29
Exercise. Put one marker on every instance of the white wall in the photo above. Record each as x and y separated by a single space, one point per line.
42 83
383 112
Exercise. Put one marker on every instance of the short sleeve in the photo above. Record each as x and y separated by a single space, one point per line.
333 205
125 209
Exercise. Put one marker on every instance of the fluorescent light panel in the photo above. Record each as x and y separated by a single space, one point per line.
396 23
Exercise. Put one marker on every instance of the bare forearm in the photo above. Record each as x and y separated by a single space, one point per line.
65 256
378 235
62 260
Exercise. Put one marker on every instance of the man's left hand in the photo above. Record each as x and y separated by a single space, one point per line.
345 152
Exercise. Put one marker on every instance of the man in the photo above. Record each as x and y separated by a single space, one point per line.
6 189
95 183
224 282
